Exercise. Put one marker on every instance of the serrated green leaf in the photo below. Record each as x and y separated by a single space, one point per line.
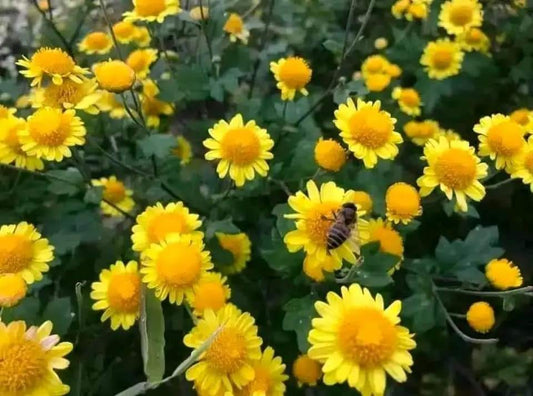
73 181
298 315
275 253
59 312
157 145
94 195
27 310
225 226
152 329
65 242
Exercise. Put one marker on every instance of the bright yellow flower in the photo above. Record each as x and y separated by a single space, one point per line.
524 166
360 341
96 43
6 112
503 274
374 64
417 10
22 102
50 132
183 150
363 200
448 134
109 103
421 131
241 148
292 74
501 139
235 27
480 317
393 70
118 294
124 31
314 267
152 107
473 39
381 43
240 246
52 62
368 131
142 36
13 289
115 192
199 13
306 370
408 100
211 292
314 217
174 266
114 76
330 155
378 230
377 82
227 364
29 358
399 8
403 203
152 10
442 58
11 148
69 95
457 16
454 166
524 117
140 61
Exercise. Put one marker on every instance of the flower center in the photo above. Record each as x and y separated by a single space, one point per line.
53 61
227 353
389 240
23 366
374 64
49 127
528 162
241 146
370 127
97 40
179 264
166 224
442 58
123 29
403 200
68 92
474 36
506 138
456 168
147 8
234 24
366 337
209 295
124 292
295 73
114 191
319 220
12 289
462 13
137 60
16 253
410 97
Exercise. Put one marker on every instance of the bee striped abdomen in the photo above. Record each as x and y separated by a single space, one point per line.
337 235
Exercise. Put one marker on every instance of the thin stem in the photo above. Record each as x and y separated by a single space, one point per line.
52 25
130 114
117 161
366 18
284 113
282 185
204 31
110 26
40 174
521 290
80 24
499 184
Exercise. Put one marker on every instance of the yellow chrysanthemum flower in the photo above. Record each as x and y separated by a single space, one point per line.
152 10
183 150
24 252
393 70
237 30
152 107
29 358
368 131
240 246
442 58
473 39
374 64
480 317
52 62
114 76
403 203
503 274
306 370
96 43
448 134
50 132
142 36
292 74
315 268
115 192
360 341
217 369
140 61
109 103
457 16
158 221
118 294
124 32
524 166
269 377
381 43
6 112
399 8
69 95
501 139
363 200
330 155
11 148
241 148
454 166
420 132
13 289
524 117
417 10
377 82
378 230
408 100
314 217
210 292
174 266
199 13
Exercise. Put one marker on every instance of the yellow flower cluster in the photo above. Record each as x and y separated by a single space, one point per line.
378 72
411 9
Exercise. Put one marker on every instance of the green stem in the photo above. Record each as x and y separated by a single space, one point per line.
204 31
110 27
54 28
499 184
522 290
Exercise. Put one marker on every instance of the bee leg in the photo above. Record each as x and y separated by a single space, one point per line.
325 218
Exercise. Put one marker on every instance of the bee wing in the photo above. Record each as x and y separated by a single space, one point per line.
355 241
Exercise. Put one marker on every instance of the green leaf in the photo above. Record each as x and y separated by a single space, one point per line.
157 145
298 315
220 256
59 312
94 195
334 46
421 308
190 83
275 253
152 329
225 226
65 241
283 225
27 310
73 181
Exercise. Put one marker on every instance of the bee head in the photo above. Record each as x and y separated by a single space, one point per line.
350 212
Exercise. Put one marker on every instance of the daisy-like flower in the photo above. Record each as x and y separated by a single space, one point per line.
24 252
292 74
503 274
13 289
442 58
314 217
240 246
378 230
52 62
118 294
374 64
174 266
330 155
399 8
158 221
457 16
417 10
50 132
96 43
114 76
408 99
183 150
152 10
524 166
142 36
69 95
211 292
115 192
359 341
501 139
109 103
524 117
199 13
403 203
6 112
368 131
306 370
363 200
140 61
314 267
473 39
448 134
228 363
236 29
455 168
480 317
269 377
242 149
10 147
29 358
124 32
420 132
152 107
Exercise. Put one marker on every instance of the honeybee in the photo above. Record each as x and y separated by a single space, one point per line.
343 228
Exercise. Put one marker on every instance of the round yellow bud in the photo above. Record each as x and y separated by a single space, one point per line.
480 317
306 370
330 155
12 289
381 43
114 76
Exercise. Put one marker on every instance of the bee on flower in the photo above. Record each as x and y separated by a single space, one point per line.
292 74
